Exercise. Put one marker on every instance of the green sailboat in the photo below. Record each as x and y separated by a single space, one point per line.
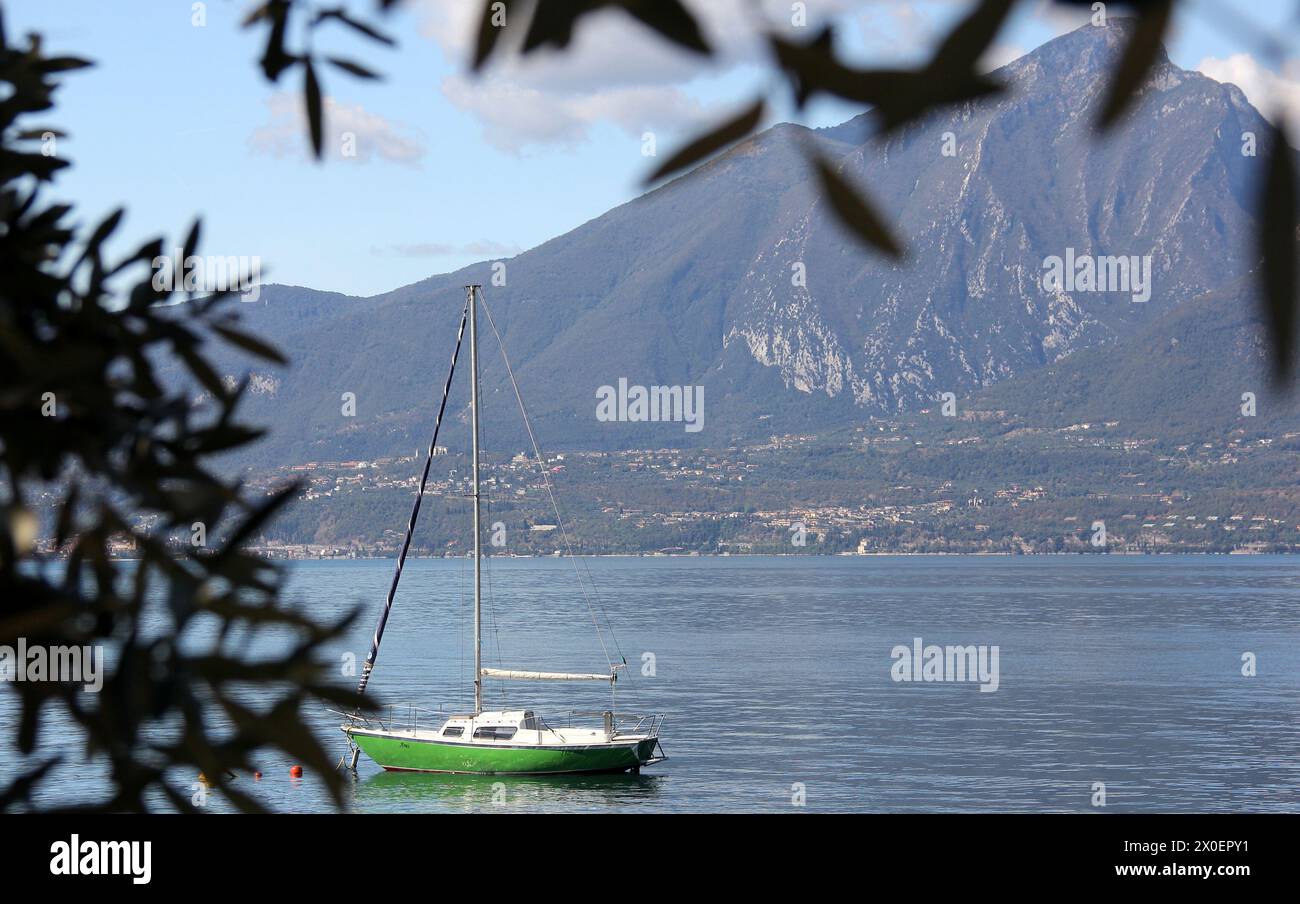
493 742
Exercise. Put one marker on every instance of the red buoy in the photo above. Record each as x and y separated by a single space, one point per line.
295 771
257 776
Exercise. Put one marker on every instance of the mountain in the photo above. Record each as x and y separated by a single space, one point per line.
692 283
1182 378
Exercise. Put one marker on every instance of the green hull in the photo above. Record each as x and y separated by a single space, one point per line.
412 755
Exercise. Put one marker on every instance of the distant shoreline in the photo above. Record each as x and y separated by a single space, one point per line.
788 555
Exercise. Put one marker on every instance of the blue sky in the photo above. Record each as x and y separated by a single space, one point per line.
176 120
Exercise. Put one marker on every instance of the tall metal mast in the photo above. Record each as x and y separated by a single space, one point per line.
478 533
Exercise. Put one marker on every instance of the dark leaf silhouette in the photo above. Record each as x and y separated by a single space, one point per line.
951 76
128 464
191 242
1278 246
262 515
62 64
726 134
200 368
276 16
812 67
898 96
256 14
106 228
39 134
275 59
553 22
854 211
961 50
671 19
249 343
284 723
488 32
20 789
353 68
340 14
315 114
1140 54
68 511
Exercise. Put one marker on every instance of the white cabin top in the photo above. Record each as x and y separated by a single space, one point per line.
501 725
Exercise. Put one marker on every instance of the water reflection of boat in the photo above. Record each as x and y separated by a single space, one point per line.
579 791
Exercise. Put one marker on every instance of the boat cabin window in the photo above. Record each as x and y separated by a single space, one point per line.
495 732
454 731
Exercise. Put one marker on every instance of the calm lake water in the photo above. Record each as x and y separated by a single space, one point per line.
775 676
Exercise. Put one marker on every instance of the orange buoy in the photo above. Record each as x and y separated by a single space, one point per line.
295 771
257 776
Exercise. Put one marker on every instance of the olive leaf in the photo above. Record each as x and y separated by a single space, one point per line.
1140 54
853 209
899 96
191 243
353 68
1277 237
489 31
128 459
275 59
961 50
671 19
812 67
340 14
315 115
249 343
552 24
728 133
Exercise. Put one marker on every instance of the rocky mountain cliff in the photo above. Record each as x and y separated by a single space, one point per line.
737 277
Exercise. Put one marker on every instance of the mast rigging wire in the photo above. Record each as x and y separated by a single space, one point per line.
559 519
415 513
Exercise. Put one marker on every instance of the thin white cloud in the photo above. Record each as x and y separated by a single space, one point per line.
1271 93
615 71
1061 18
351 132
899 32
611 47
515 116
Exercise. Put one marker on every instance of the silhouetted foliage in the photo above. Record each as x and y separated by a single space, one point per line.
276 16
1278 246
83 416
715 140
853 210
1139 56
550 23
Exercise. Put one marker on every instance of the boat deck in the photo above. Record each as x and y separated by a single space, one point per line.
507 743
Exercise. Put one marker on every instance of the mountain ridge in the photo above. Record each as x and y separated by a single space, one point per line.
691 283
